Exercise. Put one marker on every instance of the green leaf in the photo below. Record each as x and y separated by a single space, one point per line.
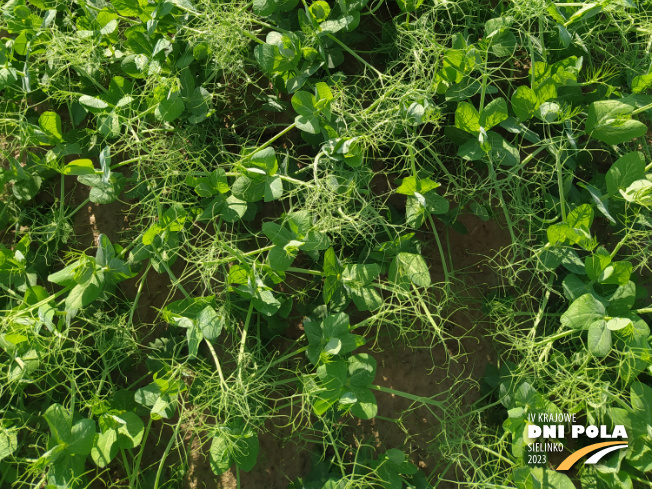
583 312
639 192
210 323
50 123
93 104
108 125
128 8
245 452
280 258
610 122
599 338
409 5
170 108
130 434
502 153
220 457
494 113
410 185
595 264
249 190
623 299
8 442
79 167
641 83
273 188
618 273
616 324
200 101
586 12
83 294
467 118
304 103
541 478
105 448
234 210
504 44
581 217
308 124
524 102
66 276
625 171
408 268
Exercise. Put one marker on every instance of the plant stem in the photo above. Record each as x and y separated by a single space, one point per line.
230 259
217 364
423 400
175 281
508 220
132 310
244 339
355 55
556 337
173 439
136 471
286 357
441 250
560 185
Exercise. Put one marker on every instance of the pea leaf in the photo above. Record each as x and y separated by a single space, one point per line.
220 457
610 122
331 336
170 108
541 478
93 104
467 118
599 338
583 312
8 442
50 123
79 167
409 268
625 171
524 102
494 113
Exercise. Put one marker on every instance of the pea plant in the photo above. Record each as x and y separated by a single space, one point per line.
228 230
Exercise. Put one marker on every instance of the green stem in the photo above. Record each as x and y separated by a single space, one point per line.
244 339
305 270
230 259
560 185
126 463
495 454
442 256
421 399
556 337
337 452
218 366
132 311
173 439
136 471
355 55
175 281
288 356
77 209
645 310
508 220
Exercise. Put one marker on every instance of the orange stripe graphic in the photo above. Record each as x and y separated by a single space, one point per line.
574 457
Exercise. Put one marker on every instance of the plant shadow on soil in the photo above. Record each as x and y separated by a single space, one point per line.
424 370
